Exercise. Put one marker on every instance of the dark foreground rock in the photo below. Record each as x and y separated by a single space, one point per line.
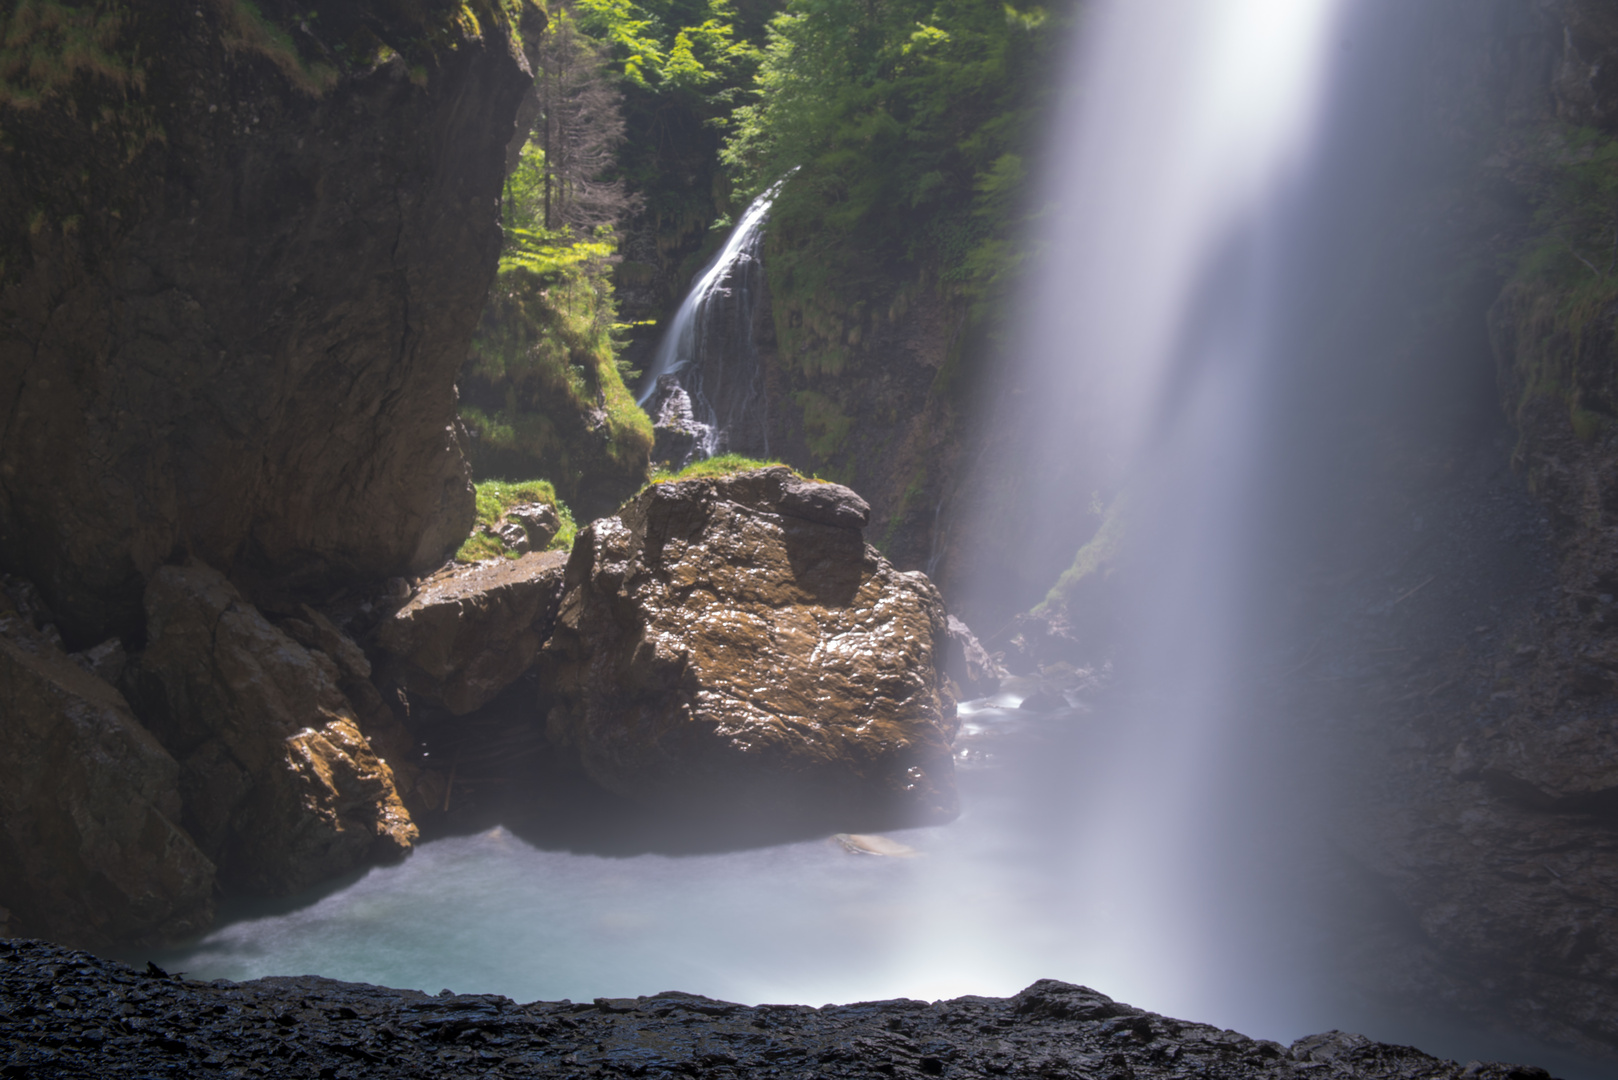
280 786
70 1014
732 644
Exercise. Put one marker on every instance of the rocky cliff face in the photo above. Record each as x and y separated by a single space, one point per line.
1470 650
242 251
242 259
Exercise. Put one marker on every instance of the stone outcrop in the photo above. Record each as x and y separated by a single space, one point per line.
90 849
679 438
965 660
241 259
65 1013
280 785
471 631
733 645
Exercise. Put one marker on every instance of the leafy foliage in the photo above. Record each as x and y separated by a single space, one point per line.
542 394
906 130
910 123
684 65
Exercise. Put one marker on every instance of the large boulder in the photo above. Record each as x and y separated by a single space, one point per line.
280 784
471 631
733 645
90 849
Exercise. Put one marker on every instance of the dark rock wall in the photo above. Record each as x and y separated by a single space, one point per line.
238 285
889 423
1443 543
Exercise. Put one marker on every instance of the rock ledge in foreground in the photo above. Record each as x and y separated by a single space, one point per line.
66 1013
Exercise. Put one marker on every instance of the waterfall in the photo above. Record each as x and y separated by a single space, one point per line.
1149 335
705 374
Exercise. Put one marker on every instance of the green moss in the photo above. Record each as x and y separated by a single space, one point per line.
1586 424
824 422
1097 559
247 30
723 465
1553 326
45 46
494 499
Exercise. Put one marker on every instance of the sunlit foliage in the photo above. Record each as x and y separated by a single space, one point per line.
910 123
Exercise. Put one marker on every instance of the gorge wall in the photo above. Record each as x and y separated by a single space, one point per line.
243 256
242 253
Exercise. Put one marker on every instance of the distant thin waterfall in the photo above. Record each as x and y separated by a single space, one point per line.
705 374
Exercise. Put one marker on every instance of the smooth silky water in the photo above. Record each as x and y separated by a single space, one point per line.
976 909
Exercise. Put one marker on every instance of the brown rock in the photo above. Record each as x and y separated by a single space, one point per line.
90 852
314 631
471 631
539 521
968 663
241 297
733 644
281 786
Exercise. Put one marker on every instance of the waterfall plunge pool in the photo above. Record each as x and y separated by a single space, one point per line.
974 911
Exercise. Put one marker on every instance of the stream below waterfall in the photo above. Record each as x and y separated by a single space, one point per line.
985 905
972 911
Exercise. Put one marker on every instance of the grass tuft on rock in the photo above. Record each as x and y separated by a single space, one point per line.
494 499
722 465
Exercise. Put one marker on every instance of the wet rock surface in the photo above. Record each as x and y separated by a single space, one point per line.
1474 651
734 643
70 1014
678 437
469 632
280 785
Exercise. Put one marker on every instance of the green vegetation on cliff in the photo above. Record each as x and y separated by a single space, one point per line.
720 465
683 66
910 124
495 499
1554 323
542 393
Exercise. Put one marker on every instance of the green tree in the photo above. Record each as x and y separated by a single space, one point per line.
910 124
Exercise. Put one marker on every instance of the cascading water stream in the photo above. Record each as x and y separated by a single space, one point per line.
708 348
